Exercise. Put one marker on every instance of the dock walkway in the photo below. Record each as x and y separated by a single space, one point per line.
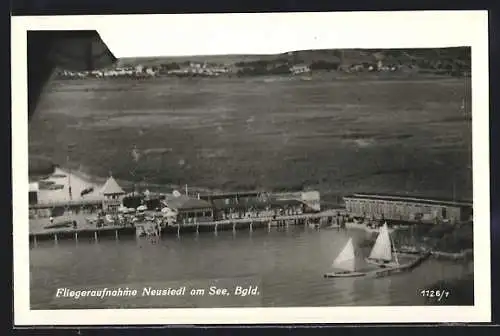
222 225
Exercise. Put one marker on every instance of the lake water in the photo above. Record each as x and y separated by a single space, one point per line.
286 265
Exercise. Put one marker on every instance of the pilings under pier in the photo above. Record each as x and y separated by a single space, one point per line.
78 235
242 224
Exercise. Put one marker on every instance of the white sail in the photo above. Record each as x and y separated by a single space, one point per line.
346 260
382 249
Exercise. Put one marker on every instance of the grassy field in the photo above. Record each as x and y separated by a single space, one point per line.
336 135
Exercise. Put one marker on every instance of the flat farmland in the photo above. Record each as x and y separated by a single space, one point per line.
338 135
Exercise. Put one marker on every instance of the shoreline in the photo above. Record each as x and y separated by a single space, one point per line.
317 75
464 255
127 184
331 193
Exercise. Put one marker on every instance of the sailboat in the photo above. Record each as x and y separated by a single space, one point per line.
382 253
345 263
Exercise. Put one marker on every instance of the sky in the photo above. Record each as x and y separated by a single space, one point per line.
222 34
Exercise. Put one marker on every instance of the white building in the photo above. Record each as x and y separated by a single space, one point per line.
139 68
113 194
299 69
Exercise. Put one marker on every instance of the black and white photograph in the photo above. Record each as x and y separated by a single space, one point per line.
190 167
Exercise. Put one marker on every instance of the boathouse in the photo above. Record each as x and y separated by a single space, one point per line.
113 195
257 208
189 210
407 208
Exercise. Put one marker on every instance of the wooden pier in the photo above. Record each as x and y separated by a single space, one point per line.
86 233
212 226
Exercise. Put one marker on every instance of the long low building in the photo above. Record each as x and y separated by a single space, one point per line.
249 204
407 208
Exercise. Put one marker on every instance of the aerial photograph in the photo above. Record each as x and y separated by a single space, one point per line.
311 178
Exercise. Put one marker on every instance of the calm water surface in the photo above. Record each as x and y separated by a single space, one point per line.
287 266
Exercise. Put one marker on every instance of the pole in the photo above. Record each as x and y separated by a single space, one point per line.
394 251
454 191
69 177
69 149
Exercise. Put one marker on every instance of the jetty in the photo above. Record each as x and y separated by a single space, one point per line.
82 233
402 268
239 224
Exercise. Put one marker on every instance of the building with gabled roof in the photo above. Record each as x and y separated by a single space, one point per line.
113 194
111 188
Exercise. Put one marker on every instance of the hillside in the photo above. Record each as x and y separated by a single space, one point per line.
454 57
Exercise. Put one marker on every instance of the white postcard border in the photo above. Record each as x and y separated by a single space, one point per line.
262 34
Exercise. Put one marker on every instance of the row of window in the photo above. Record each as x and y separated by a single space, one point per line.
398 209
384 206
195 214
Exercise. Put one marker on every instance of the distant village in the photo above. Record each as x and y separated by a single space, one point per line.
253 68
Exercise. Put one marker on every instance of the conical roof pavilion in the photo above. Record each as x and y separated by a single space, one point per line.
111 187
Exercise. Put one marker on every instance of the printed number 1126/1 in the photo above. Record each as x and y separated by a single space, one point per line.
431 293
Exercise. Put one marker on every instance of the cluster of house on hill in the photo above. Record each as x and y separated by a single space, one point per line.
204 69
191 69
137 71
140 71
200 69
367 66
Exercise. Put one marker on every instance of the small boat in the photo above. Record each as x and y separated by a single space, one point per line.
65 224
383 253
408 249
345 263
